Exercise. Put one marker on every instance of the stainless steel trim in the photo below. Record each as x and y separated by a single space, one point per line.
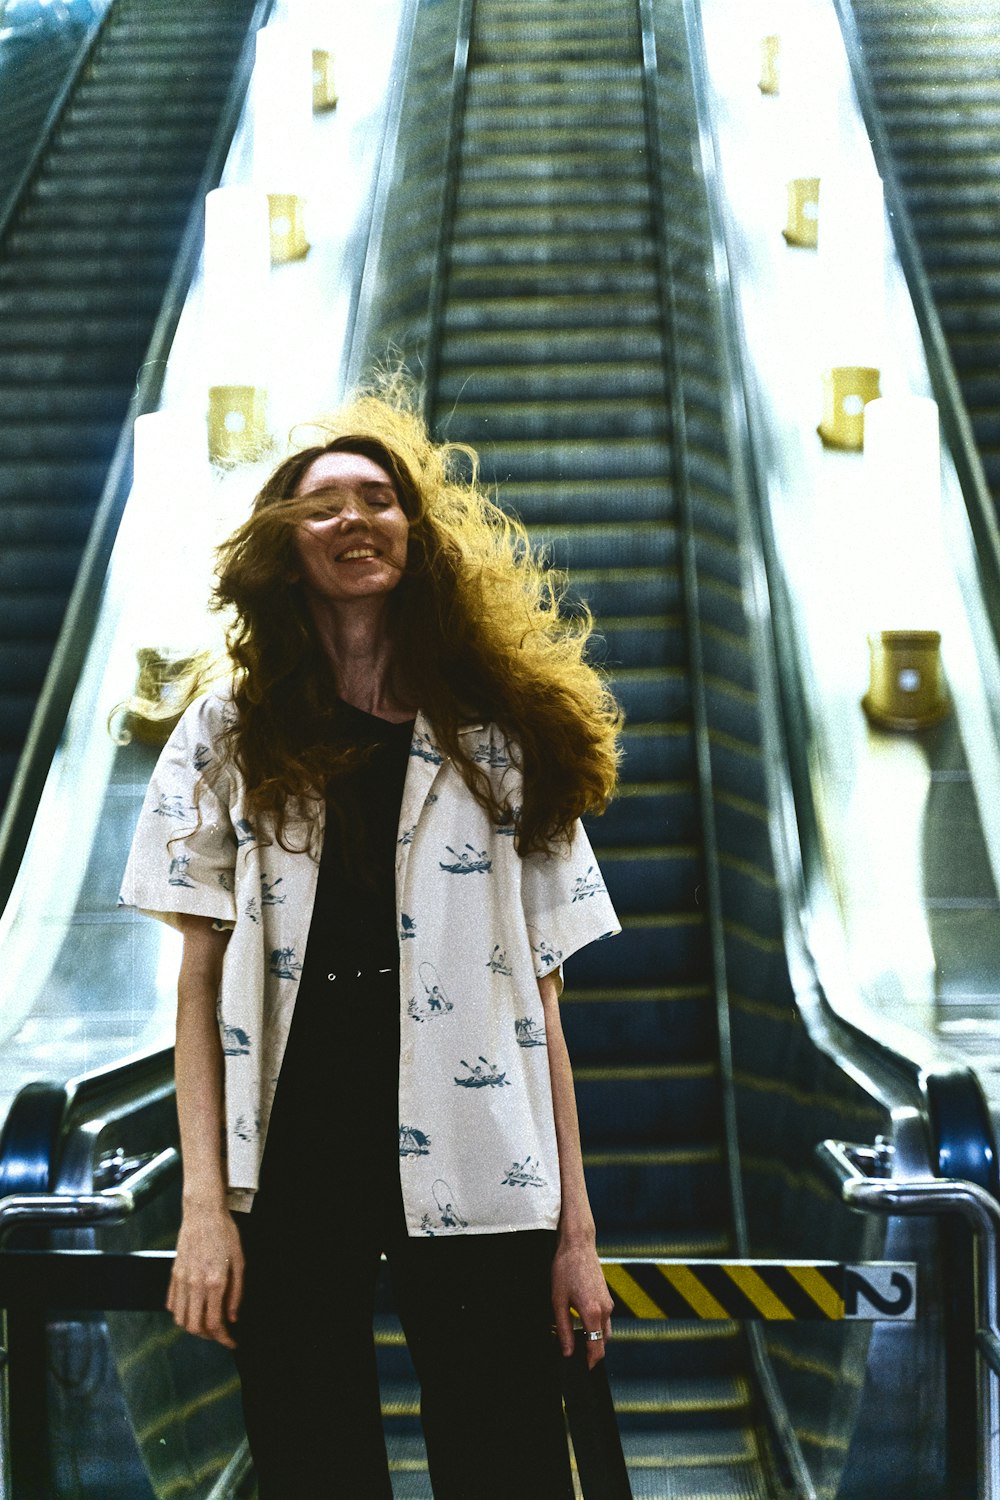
77 1209
847 1164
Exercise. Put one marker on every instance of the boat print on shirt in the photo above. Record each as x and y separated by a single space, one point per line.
508 828
529 1032
177 874
172 806
497 757
235 1041
497 961
545 953
246 1127
488 1076
435 1001
523 1174
448 1218
244 832
413 1142
284 964
424 748
269 893
590 884
467 861
407 927
202 757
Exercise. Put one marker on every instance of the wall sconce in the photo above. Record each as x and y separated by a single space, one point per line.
282 96
906 686
802 224
847 389
770 64
237 424
324 85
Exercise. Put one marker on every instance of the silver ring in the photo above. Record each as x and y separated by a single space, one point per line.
595 1337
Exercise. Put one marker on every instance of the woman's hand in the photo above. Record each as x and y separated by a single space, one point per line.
578 1282
207 1282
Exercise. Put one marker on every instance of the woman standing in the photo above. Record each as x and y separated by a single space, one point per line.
371 845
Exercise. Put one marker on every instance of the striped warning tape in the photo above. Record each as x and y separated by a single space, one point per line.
773 1290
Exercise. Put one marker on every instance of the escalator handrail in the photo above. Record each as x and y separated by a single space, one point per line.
75 67
81 1210
51 711
362 310
439 272
953 413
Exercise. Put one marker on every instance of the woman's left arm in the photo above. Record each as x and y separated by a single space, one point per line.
577 1280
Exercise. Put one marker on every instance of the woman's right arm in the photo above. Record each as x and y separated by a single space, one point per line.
207 1281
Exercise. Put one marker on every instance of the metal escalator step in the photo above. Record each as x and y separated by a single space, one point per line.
514 247
27 523
671 1190
99 271
69 303
548 219
557 315
551 345
659 1104
622 501
642 641
674 947
47 368
27 568
676 1028
563 382
680 1397
560 113
540 279
521 140
657 752
65 403
649 695
531 80
582 458
486 192
39 479
966 222
16 709
647 813
94 114
616 590
50 213
54 439
128 335
68 185
126 160
554 421
23 665
578 164
36 243
654 877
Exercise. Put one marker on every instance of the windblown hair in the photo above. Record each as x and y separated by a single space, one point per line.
477 634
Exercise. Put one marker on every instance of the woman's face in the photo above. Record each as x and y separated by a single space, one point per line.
355 545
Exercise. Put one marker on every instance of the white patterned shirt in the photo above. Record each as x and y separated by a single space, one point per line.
478 925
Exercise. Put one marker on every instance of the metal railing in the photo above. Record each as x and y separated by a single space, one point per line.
862 1175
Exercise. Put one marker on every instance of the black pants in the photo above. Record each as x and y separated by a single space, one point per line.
476 1309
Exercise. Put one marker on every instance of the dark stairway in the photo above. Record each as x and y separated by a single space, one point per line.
83 270
552 364
934 66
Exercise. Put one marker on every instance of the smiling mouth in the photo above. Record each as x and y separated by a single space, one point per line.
359 554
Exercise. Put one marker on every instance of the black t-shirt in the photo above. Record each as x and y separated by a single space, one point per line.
339 1074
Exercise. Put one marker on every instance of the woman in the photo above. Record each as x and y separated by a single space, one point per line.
371 846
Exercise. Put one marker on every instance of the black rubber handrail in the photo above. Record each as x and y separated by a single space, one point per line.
54 701
956 425
439 275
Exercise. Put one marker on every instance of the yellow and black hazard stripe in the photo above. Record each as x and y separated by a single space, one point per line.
770 1290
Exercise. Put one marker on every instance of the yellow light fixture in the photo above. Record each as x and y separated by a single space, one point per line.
803 212
324 84
282 95
906 686
770 64
237 423
847 389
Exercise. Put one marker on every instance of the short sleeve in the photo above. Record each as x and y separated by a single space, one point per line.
566 903
183 856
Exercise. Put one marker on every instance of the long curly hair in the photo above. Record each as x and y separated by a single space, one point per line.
476 630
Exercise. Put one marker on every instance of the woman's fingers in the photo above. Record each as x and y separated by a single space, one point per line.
206 1303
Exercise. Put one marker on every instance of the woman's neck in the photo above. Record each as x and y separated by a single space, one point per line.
357 644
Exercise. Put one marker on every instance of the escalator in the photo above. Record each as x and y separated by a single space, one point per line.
85 259
932 70
552 362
